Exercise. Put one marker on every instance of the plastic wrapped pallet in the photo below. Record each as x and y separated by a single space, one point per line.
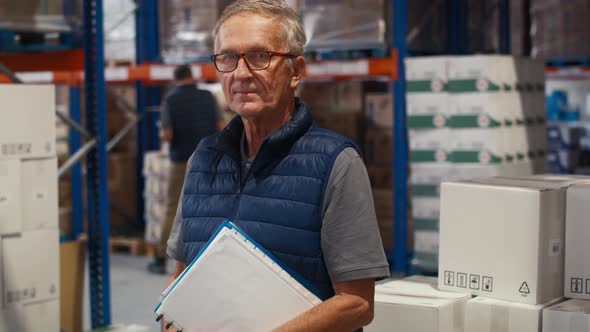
40 15
559 29
350 24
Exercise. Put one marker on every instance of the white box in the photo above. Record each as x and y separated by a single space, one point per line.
506 235
414 304
423 104
495 69
379 109
490 315
427 69
10 197
426 208
426 241
569 316
577 245
37 316
39 194
30 267
27 122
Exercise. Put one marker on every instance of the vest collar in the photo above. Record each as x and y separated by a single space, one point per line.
274 146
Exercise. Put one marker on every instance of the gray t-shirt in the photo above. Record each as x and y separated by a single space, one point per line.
351 244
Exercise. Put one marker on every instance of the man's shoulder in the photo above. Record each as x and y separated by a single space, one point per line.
327 137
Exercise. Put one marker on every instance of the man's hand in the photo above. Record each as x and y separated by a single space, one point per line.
166 134
350 309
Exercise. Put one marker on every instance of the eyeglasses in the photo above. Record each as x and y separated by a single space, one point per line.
255 60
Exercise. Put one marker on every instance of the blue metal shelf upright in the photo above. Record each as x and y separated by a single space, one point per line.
96 163
400 256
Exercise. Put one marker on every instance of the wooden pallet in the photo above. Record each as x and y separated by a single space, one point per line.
133 246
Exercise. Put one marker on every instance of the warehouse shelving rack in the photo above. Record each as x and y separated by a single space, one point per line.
148 73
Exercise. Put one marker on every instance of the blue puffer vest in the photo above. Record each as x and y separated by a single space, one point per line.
280 203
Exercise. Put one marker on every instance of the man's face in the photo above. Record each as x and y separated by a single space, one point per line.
252 93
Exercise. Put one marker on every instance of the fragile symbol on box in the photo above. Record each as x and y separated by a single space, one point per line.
462 280
487 284
449 278
474 281
577 286
524 289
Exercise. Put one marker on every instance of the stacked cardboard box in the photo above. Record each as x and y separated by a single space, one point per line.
506 239
156 168
468 117
29 234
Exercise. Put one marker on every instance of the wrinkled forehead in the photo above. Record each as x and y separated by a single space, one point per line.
250 31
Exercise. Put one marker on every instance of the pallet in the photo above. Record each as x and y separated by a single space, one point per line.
133 246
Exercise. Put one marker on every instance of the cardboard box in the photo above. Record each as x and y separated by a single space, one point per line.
414 304
380 177
493 69
27 124
39 194
427 208
427 110
350 125
429 145
10 197
427 69
156 163
36 316
506 235
379 110
36 278
577 233
571 315
425 178
491 315
378 147
72 258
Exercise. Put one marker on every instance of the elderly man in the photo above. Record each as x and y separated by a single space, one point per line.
300 191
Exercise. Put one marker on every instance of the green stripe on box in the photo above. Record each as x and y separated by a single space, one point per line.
419 86
520 122
421 224
530 120
540 86
507 87
529 87
422 156
426 261
540 120
471 85
509 158
532 154
472 121
421 122
425 190
472 157
520 156
425 156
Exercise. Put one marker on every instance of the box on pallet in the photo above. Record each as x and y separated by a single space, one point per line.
30 286
379 110
36 114
414 304
383 200
429 145
571 315
577 233
39 194
491 315
425 178
350 125
10 197
432 71
379 147
503 238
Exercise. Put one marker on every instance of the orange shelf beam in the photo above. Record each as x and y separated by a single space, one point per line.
72 60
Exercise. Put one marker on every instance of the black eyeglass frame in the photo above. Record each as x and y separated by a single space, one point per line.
248 64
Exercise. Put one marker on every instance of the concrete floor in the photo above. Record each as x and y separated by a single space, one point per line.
134 292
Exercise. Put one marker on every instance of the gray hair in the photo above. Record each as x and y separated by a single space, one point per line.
274 9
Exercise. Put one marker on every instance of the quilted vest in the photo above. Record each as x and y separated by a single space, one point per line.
280 202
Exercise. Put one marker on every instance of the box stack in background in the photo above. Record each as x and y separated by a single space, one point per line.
468 117
121 162
559 29
568 115
29 233
156 171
